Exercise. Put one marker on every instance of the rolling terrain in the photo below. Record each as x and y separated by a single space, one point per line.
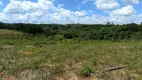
35 57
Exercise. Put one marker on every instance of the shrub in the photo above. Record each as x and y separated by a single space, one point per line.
70 35
49 32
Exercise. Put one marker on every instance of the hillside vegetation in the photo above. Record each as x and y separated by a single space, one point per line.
70 52
81 31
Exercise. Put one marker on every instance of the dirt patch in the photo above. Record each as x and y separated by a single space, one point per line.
10 78
25 52
67 76
47 66
73 76
118 75
6 47
29 46
27 75
77 65
34 75
32 51
38 75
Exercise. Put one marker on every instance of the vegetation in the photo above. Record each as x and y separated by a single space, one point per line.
81 31
86 70
73 51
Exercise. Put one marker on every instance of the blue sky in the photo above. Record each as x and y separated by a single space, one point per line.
71 11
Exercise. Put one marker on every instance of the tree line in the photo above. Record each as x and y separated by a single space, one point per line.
107 31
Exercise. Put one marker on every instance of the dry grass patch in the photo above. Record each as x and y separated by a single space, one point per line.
32 51
4 31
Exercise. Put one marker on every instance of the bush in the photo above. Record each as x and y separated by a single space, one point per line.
70 35
49 32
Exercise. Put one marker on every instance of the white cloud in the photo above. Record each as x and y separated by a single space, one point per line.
85 1
66 13
124 11
1 3
13 7
80 13
2 16
28 5
44 11
45 4
19 18
60 5
39 11
106 4
131 1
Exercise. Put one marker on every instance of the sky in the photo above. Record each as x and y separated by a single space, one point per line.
71 11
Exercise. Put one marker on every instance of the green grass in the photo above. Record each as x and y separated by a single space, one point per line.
19 53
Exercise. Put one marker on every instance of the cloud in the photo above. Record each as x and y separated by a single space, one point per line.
2 16
44 11
85 1
131 1
39 11
107 4
80 13
124 11
14 7
60 5
1 3
45 4
28 5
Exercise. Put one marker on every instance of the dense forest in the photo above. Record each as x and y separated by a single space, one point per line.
107 31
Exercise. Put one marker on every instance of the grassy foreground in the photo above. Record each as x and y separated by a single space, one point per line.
28 57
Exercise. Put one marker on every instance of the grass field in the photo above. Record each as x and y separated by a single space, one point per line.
28 57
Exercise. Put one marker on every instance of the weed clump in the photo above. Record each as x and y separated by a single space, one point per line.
86 70
60 68
94 61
